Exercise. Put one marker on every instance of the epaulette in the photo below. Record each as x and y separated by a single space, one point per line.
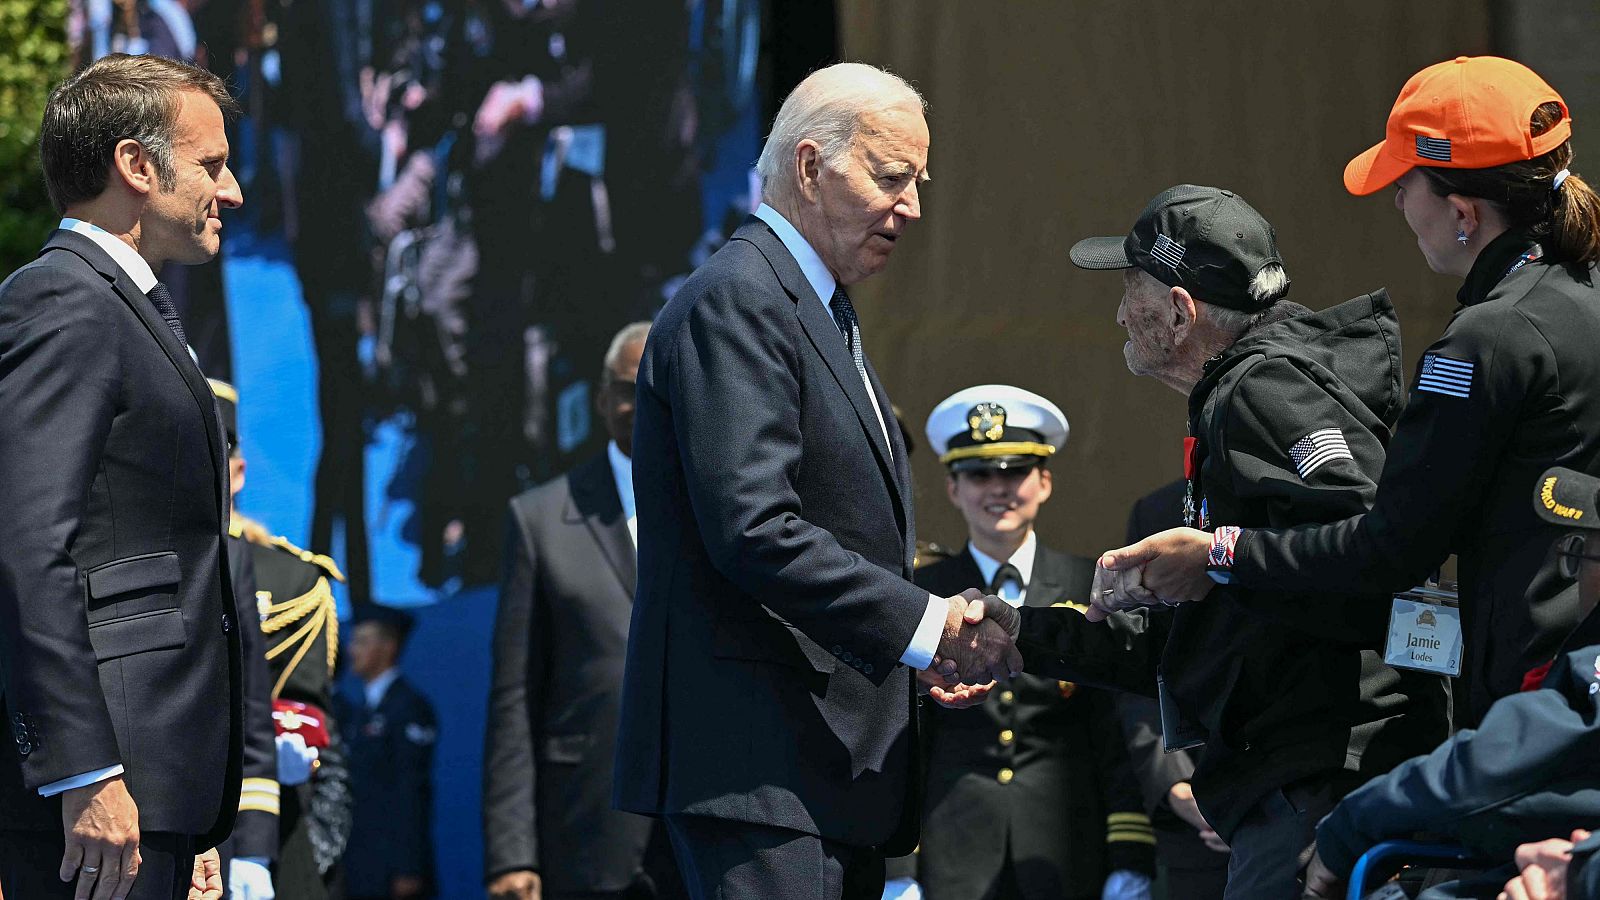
314 613
256 533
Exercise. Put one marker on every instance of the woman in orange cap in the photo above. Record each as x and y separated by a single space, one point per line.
1479 151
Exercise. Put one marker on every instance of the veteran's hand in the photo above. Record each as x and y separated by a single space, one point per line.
1543 866
1173 564
1114 591
101 824
1321 883
982 652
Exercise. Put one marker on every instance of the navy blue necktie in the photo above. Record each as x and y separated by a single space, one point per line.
844 315
162 298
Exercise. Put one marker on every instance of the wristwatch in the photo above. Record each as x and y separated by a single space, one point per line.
1219 565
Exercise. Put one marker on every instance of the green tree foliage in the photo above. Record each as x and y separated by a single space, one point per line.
34 58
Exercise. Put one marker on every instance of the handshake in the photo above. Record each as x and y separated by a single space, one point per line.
977 649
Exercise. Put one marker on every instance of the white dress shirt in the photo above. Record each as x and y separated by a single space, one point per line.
622 473
1022 559
377 687
925 640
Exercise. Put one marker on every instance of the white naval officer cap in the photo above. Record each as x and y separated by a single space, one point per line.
995 426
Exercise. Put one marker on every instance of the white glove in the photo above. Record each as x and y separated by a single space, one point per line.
249 879
294 759
902 889
1125 884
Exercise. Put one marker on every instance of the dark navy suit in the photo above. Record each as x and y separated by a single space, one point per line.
763 684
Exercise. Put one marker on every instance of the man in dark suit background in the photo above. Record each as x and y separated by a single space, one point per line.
561 636
767 700
119 655
1031 796
390 729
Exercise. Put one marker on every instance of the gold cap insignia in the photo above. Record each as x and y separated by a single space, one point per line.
987 421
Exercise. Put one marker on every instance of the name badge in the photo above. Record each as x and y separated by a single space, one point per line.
1424 635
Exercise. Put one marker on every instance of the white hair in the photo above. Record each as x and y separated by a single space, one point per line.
1268 286
826 107
636 331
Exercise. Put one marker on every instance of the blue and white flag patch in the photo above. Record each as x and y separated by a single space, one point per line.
1443 375
1168 251
1436 149
1317 449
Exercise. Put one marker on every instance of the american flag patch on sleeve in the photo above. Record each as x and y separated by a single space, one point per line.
1443 375
1317 449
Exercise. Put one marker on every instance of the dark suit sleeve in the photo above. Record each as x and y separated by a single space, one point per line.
735 400
413 739
60 381
1583 873
510 775
255 830
1120 653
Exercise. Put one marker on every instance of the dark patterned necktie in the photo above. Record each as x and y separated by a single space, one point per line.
1006 572
162 298
844 315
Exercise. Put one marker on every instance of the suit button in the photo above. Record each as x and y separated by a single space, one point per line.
839 652
227 624
1007 697
866 669
24 748
1005 776
1007 738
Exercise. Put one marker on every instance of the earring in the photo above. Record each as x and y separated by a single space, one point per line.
1461 237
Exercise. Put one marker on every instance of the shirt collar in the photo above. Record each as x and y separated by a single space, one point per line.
1022 559
1492 265
622 472
377 687
811 265
126 258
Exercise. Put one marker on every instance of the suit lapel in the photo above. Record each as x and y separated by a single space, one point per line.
595 501
826 338
199 388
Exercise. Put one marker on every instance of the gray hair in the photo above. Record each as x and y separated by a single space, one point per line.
636 331
826 107
1269 285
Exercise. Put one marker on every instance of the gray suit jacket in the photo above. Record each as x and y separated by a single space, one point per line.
560 638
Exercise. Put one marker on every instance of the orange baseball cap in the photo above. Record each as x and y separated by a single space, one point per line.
1472 112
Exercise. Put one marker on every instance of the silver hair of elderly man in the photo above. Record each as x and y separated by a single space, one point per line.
826 107
634 331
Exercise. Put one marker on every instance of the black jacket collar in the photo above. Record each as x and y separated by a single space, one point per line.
1494 262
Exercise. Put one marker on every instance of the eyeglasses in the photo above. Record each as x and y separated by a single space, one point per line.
1569 550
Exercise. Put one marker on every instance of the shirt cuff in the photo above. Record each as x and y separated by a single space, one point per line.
78 781
925 640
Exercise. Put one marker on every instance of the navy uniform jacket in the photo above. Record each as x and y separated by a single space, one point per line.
117 642
775 558
1510 389
391 765
1277 686
1037 776
1527 773
255 833
294 603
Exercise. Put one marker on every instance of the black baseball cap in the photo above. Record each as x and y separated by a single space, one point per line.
1205 240
1566 497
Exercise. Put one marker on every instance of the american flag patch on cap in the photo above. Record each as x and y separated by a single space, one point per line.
1168 251
1318 448
1436 149
1443 375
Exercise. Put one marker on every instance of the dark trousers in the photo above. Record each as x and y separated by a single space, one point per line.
30 863
1276 839
726 860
